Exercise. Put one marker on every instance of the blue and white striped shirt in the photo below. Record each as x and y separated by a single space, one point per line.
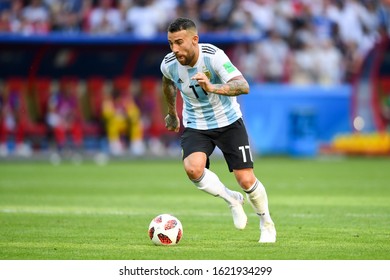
201 109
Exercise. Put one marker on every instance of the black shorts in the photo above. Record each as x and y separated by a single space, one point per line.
232 140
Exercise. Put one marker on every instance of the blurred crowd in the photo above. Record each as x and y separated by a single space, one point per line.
305 41
301 42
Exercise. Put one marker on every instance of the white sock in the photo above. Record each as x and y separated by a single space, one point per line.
257 196
210 183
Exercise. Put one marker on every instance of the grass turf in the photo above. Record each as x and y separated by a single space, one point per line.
323 209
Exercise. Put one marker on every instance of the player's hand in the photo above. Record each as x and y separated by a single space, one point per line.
203 81
172 123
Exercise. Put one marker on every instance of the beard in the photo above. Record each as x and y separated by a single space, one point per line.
185 59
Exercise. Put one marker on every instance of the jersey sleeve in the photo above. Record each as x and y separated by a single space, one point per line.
224 67
164 70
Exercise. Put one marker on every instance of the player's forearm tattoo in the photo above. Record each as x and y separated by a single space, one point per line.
234 87
170 91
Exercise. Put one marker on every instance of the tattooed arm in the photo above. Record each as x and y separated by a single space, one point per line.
172 121
236 86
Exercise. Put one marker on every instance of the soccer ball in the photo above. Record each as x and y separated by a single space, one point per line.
165 229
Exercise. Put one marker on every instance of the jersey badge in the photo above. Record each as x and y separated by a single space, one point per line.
207 72
229 67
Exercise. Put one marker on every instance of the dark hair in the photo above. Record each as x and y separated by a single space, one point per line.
181 24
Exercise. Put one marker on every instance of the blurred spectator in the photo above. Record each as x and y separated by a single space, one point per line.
12 121
36 17
322 24
243 21
357 33
123 7
246 59
370 17
145 19
123 119
64 117
284 14
86 10
168 9
191 9
216 14
273 54
105 18
383 17
17 23
348 16
262 12
66 15
330 63
5 21
304 62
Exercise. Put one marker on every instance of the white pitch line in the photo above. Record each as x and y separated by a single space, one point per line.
52 211
95 212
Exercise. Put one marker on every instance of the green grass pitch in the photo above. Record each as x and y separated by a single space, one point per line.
324 209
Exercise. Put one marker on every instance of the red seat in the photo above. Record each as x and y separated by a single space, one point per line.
34 129
95 94
95 90
41 89
122 83
150 101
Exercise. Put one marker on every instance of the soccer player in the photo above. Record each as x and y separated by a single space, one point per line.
209 84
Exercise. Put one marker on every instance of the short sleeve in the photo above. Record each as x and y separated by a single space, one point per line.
224 67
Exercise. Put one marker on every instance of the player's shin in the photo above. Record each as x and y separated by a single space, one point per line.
210 183
258 199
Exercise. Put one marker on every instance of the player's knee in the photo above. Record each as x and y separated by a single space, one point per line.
194 172
246 180
194 165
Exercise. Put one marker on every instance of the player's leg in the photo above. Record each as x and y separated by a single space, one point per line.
257 197
196 149
234 144
207 181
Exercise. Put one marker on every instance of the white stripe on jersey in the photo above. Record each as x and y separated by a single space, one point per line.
203 110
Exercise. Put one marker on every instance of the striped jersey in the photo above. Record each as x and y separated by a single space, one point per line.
201 109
